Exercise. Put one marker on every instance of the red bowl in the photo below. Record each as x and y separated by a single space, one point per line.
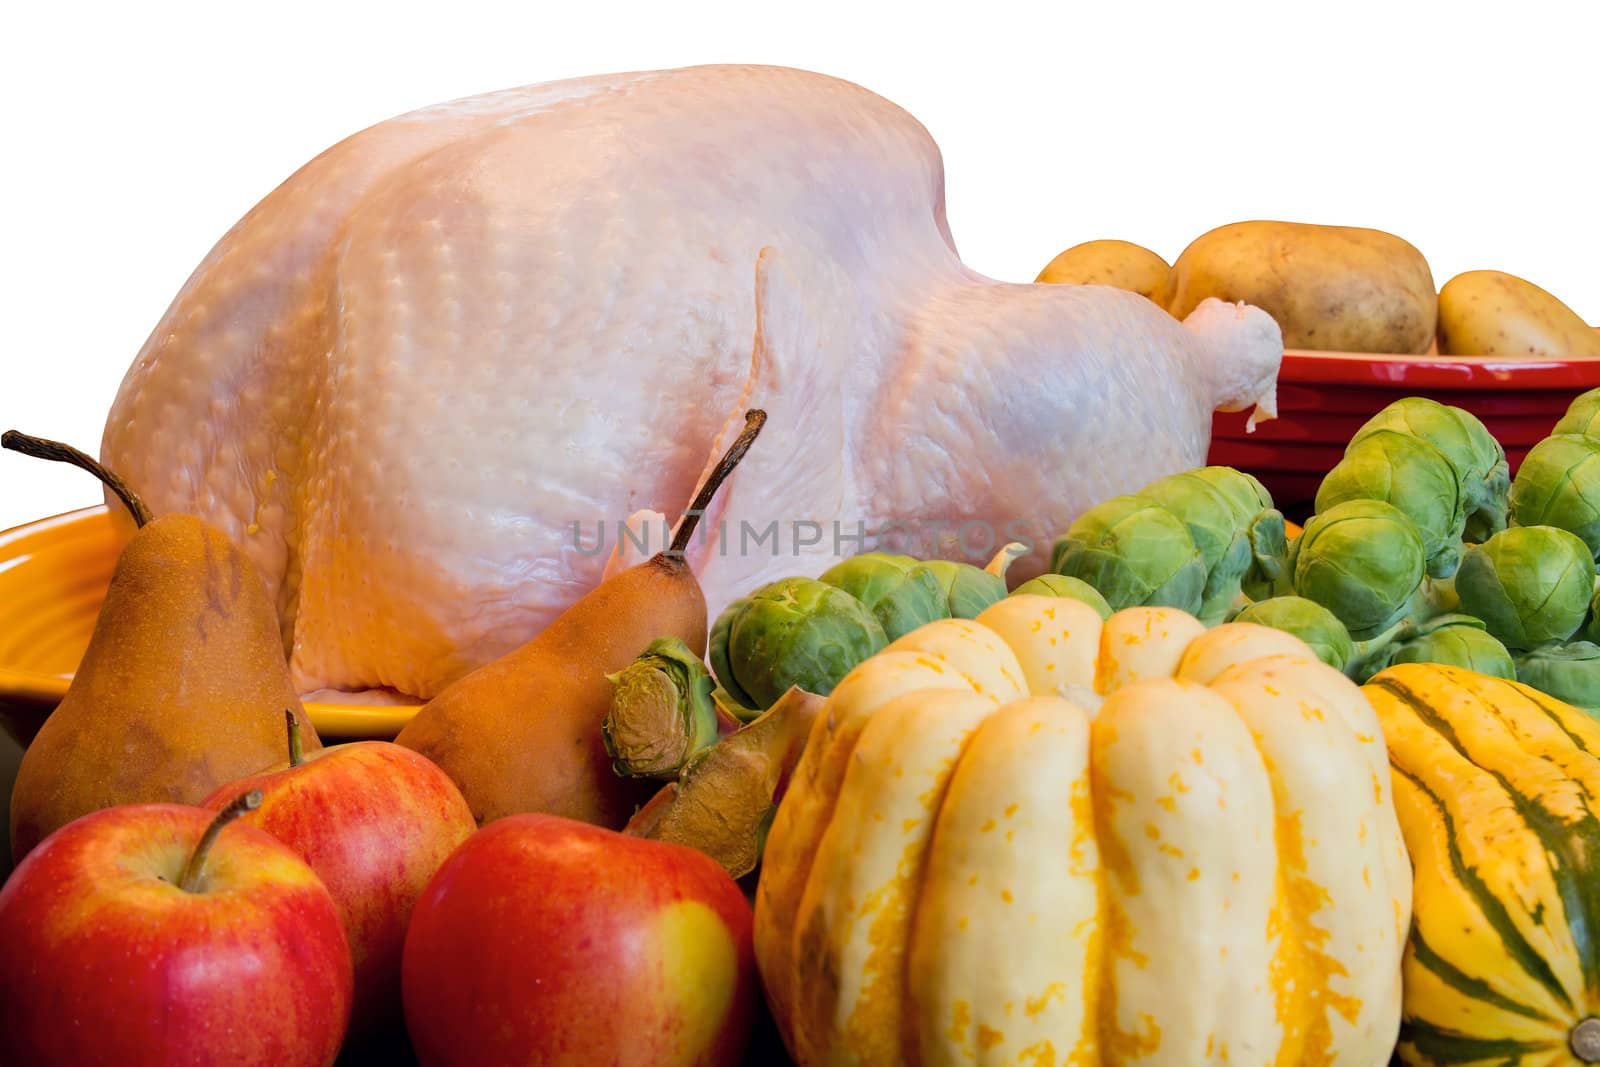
1324 397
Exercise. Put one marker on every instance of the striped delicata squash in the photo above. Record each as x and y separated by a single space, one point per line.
1035 838
1497 787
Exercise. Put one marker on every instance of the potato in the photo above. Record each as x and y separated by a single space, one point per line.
1120 264
1490 313
1331 288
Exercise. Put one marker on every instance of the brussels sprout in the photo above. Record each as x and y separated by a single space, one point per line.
1363 560
1263 526
1591 628
1244 491
1215 524
1134 551
1412 475
1218 528
1467 444
1558 484
901 594
1529 585
1582 417
1307 620
1062 586
967 589
661 712
795 631
1566 672
1460 642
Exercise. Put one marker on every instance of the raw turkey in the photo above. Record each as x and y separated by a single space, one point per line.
421 379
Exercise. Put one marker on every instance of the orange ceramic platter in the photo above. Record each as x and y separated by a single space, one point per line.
53 576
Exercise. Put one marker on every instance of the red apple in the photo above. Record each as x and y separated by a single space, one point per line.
375 821
546 940
148 934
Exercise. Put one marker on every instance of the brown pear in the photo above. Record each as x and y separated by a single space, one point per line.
522 733
183 686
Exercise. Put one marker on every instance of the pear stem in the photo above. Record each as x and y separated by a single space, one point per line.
754 419
195 868
44 448
297 751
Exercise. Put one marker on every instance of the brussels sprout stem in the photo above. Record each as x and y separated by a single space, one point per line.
1434 597
1370 652
1003 559
731 714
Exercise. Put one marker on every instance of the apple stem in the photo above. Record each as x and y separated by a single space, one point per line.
44 448
297 752
195 868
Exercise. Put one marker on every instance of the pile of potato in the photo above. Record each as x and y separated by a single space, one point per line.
1340 289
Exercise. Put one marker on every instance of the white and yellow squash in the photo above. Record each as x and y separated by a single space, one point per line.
1035 838
1498 791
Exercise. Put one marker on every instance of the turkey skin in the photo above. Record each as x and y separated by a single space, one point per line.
424 382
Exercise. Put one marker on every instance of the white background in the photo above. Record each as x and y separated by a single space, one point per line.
135 135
